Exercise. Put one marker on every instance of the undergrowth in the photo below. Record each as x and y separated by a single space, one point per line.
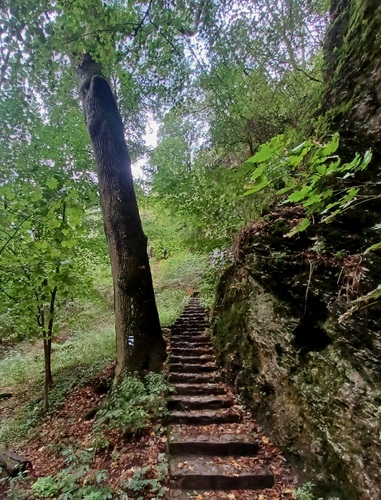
74 362
133 404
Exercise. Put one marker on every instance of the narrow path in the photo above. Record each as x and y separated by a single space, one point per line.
214 451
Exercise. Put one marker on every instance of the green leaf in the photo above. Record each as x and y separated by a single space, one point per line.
301 146
52 183
302 226
367 159
315 198
331 147
260 183
258 172
299 195
36 194
290 185
265 153
376 246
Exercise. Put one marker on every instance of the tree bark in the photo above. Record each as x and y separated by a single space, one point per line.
135 308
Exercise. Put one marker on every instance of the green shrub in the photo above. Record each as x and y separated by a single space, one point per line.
133 403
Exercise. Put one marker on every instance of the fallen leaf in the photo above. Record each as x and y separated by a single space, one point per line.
287 491
265 440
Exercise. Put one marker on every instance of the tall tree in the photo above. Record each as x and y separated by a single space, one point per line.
136 315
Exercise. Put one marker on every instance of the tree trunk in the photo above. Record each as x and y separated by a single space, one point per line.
135 308
48 382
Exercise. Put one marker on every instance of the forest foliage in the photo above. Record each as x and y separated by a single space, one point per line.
226 82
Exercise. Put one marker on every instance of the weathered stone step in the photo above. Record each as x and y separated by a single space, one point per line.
195 313
204 417
192 368
206 389
187 440
205 358
199 402
189 339
193 494
190 326
192 351
189 472
194 378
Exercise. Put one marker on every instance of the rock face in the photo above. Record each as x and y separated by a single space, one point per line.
353 73
315 383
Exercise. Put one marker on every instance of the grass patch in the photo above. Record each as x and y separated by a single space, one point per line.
74 362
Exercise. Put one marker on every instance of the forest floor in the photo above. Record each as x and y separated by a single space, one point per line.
62 449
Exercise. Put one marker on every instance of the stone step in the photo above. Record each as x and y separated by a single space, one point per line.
195 313
189 339
199 402
192 359
190 324
192 368
204 417
206 389
193 494
192 316
192 351
189 327
222 439
194 378
188 472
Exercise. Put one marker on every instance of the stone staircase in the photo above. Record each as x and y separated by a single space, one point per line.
211 450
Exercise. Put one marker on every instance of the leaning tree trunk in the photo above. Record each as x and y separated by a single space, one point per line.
136 315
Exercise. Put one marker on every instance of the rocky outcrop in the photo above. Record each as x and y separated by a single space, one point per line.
352 98
315 383
313 380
